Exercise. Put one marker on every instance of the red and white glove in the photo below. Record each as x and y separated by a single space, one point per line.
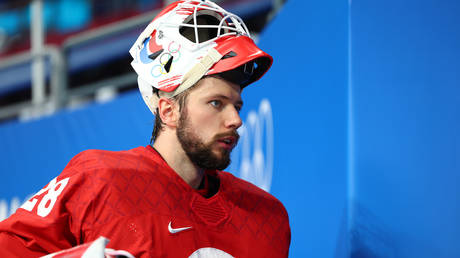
95 249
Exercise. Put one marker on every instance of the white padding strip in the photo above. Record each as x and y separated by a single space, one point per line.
199 70
190 78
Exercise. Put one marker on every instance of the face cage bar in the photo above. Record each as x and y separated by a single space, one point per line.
239 25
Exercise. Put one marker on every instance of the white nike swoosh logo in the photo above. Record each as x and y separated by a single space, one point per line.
176 230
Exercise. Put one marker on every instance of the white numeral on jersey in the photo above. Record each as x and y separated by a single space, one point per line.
47 202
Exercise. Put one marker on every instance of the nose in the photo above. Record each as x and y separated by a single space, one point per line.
233 119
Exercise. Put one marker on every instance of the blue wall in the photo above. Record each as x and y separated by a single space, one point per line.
364 101
406 123
307 87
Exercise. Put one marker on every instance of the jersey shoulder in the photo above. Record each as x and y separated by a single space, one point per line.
102 160
259 211
247 195
111 184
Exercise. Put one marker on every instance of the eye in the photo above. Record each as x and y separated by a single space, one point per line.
216 103
238 108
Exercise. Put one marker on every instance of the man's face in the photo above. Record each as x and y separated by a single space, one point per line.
208 123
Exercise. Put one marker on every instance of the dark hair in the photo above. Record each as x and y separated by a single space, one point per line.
181 98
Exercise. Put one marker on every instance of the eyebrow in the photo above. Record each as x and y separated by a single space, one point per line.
239 102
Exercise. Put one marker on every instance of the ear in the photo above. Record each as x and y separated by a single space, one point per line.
168 112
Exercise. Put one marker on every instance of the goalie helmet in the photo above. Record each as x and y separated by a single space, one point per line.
191 39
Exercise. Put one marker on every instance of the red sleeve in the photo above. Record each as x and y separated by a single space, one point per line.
52 219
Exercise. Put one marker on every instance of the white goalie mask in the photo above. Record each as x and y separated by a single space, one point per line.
191 39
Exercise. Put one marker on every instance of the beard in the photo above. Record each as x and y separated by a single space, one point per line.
199 152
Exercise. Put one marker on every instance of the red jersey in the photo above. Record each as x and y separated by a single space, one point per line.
144 207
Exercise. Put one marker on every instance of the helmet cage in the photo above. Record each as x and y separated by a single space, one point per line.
229 23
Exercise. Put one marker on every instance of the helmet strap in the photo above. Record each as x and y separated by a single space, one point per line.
189 79
199 70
